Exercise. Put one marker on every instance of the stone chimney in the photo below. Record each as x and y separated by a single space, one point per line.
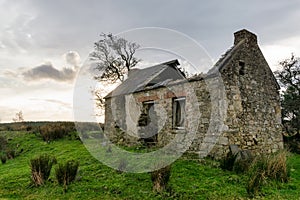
245 34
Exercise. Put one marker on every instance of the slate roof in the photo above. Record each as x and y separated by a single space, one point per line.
139 79
224 59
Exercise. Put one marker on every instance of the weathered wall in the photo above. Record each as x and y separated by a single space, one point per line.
254 116
241 107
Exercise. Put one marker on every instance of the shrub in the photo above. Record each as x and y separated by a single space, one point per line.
160 178
243 161
66 173
273 167
50 132
227 162
54 131
239 162
3 143
277 168
3 158
10 153
41 168
257 176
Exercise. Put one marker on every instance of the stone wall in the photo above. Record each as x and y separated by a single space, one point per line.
240 105
254 112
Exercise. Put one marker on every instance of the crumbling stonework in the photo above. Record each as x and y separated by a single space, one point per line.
236 102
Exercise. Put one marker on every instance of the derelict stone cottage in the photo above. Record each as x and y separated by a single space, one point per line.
235 103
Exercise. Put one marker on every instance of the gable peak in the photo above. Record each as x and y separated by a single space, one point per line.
245 35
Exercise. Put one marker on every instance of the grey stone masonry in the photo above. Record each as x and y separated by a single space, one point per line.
236 103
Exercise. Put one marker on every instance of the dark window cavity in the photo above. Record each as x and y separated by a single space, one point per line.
241 67
178 112
147 112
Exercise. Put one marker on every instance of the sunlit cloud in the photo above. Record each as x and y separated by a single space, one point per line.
47 71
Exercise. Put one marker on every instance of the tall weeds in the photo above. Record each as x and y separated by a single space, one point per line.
160 179
41 168
66 172
267 168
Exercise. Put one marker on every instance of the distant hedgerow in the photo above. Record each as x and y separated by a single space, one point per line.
50 132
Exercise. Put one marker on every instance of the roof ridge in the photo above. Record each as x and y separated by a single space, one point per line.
221 62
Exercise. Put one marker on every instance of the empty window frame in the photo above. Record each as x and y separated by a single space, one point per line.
178 113
241 67
147 112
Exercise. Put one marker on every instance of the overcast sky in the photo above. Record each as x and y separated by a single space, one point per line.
44 43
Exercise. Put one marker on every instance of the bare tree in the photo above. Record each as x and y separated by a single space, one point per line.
114 56
18 117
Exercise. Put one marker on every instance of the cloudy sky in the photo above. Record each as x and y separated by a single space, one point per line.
44 43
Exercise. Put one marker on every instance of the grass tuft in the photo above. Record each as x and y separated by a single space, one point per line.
267 168
41 168
66 172
160 179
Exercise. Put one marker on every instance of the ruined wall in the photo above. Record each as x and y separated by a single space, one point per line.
241 107
254 115
119 127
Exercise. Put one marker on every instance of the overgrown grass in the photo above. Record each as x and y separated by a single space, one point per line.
188 180
267 168
160 179
40 168
66 172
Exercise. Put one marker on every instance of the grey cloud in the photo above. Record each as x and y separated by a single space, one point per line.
210 22
47 71
9 73
61 103
16 36
58 102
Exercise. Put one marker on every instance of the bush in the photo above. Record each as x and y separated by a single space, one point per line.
4 147
66 173
239 162
277 168
243 161
54 131
41 168
10 153
257 176
3 158
227 162
160 178
3 143
273 167
51 132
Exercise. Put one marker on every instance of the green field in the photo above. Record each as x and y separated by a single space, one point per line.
190 179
